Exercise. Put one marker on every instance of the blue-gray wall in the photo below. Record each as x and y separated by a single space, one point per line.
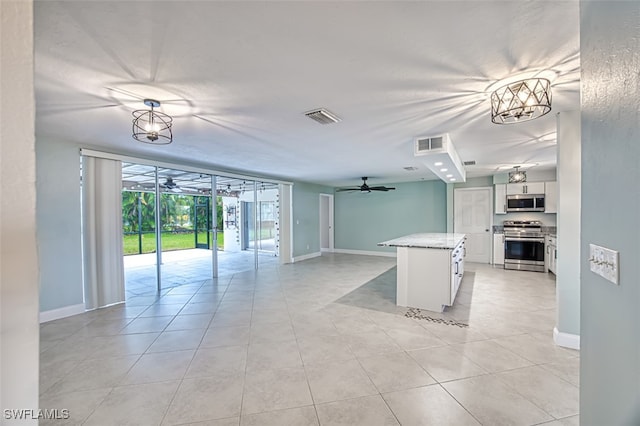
364 219
610 314
306 217
58 224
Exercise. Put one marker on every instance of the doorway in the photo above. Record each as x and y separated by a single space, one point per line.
202 222
472 216
326 223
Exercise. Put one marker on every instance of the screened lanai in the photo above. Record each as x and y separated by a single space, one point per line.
202 233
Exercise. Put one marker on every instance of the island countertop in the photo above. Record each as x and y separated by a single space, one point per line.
426 240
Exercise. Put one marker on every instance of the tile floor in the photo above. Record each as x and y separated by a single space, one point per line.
316 342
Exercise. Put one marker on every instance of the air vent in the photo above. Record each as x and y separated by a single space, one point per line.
469 163
439 155
322 116
424 145
410 168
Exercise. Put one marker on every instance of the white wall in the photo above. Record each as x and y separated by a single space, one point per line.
567 332
19 270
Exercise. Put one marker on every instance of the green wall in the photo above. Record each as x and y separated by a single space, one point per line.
58 224
306 217
610 133
364 219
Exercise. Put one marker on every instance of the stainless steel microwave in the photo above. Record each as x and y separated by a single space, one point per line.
525 203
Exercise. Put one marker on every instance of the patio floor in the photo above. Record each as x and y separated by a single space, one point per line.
186 267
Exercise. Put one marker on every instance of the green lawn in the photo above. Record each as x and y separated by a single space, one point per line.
170 241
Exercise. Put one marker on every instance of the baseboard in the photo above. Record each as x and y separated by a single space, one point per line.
365 252
306 257
326 250
566 340
67 311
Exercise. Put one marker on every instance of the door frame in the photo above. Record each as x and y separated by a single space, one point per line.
330 219
490 214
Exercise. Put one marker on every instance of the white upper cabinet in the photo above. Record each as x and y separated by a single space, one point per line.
525 188
501 198
551 197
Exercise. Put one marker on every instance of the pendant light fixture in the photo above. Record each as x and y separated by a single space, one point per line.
150 126
521 101
517 176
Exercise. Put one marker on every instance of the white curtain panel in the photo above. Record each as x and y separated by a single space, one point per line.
102 232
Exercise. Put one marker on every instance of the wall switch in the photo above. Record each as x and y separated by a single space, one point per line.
604 262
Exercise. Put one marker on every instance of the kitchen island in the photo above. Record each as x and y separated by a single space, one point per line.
430 269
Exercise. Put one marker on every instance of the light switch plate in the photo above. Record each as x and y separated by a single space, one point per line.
604 262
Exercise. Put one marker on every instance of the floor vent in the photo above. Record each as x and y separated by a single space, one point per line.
323 116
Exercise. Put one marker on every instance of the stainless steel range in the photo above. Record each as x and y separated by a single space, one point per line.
523 245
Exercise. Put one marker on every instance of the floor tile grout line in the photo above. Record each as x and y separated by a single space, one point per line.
460 403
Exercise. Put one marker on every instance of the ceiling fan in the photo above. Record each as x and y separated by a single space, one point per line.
366 188
170 185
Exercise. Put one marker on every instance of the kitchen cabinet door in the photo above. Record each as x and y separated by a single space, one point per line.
525 188
500 191
498 249
551 197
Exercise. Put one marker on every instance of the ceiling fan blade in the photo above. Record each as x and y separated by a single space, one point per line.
381 188
347 189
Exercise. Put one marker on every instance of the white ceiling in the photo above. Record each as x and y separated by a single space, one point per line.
238 76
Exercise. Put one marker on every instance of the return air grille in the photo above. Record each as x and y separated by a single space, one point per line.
469 163
323 116
429 144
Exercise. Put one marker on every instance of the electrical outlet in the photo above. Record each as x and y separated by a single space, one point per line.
604 262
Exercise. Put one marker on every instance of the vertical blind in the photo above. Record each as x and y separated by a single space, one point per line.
102 232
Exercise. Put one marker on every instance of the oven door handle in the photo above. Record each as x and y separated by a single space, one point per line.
533 240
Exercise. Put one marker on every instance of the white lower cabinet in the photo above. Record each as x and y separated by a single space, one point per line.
551 254
498 249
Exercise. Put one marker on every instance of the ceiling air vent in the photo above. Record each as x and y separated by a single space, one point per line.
469 163
427 144
439 155
322 116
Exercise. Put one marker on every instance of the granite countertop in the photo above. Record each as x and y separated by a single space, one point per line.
432 240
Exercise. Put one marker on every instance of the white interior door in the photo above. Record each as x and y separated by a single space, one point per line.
326 222
472 216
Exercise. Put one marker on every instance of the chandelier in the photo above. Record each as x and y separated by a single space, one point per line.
517 176
521 101
150 126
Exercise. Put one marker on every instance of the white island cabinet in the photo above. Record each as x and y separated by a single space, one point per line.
430 269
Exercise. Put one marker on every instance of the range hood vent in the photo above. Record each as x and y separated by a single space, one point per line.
323 116
439 155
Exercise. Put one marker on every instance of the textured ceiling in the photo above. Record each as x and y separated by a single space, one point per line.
238 77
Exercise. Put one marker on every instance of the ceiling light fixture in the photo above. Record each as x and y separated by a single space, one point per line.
150 126
521 101
517 176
